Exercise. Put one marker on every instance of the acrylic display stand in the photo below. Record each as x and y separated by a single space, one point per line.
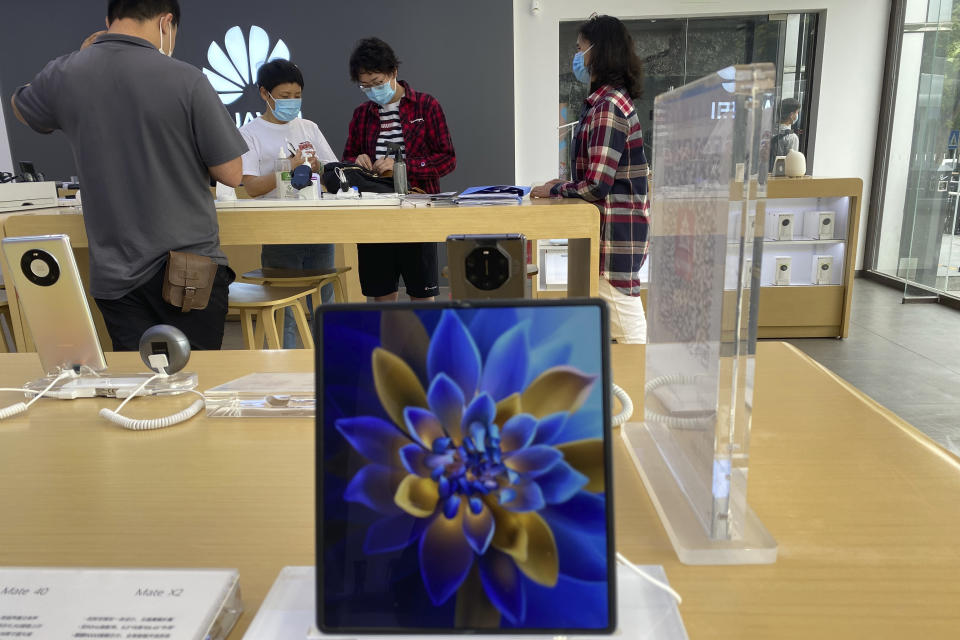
645 611
106 384
710 162
263 395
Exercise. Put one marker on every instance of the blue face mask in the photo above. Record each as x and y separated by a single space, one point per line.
286 109
580 70
382 94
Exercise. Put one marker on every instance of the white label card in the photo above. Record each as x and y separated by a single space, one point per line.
111 603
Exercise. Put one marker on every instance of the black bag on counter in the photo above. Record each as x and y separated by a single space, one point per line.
341 176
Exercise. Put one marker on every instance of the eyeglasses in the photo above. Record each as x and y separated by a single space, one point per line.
373 85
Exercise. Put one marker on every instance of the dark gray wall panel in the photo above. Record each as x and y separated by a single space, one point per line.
460 52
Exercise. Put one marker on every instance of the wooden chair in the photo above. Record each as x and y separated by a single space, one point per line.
299 278
266 303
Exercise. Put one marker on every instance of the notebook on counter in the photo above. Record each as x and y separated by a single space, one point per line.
493 195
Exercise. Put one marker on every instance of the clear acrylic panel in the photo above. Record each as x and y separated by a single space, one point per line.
710 174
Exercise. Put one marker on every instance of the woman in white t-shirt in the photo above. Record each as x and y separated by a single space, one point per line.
280 127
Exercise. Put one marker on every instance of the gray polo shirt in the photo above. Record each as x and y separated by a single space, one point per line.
144 128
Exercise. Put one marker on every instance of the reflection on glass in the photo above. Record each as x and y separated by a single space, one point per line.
678 51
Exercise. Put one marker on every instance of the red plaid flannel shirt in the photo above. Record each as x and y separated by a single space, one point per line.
429 149
611 172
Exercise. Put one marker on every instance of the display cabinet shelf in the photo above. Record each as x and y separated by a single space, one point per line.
799 308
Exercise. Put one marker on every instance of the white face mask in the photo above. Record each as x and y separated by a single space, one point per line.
170 52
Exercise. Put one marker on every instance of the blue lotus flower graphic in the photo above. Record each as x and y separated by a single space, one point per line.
476 465
236 70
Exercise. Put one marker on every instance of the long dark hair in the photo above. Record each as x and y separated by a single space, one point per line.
612 59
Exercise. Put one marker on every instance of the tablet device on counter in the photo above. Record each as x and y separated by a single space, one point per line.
463 469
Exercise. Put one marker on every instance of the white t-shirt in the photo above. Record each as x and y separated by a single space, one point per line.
265 139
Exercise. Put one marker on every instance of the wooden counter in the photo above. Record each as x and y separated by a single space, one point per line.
864 507
575 220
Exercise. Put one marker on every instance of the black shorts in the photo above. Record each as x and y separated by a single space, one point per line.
381 266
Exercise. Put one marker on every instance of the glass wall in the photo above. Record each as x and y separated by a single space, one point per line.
681 50
917 239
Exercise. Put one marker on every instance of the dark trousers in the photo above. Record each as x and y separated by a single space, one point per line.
128 317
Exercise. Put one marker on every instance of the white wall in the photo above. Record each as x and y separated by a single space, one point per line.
850 81
6 162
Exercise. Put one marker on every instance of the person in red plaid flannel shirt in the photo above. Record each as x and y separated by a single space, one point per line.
395 113
610 169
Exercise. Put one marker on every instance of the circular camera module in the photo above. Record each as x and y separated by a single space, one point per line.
783 267
785 222
487 268
40 267
824 267
826 221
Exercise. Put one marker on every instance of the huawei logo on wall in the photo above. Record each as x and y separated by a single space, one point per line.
235 65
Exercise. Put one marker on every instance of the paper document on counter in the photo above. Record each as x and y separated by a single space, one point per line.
178 604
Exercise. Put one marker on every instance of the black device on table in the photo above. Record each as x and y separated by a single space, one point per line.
487 267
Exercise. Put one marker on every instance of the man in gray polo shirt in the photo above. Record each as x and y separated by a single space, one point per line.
147 132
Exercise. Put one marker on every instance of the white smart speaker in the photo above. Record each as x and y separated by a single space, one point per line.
782 274
822 270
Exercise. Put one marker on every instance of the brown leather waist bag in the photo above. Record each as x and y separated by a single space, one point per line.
188 280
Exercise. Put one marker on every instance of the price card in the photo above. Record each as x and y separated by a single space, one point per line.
141 604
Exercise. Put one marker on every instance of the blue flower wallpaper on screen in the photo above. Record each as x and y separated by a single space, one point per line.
463 469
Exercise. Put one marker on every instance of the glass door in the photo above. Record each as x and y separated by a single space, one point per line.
918 237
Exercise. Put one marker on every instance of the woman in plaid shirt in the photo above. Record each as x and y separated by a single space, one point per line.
610 169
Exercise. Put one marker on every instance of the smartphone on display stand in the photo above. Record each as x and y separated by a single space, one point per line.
487 267
52 299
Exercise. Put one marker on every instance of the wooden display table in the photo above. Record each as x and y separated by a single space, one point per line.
575 220
864 507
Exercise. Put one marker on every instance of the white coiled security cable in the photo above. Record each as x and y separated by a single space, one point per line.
20 407
626 405
675 422
646 576
155 423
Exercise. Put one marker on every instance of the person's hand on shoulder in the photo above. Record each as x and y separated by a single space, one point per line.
543 191
364 161
383 165
92 38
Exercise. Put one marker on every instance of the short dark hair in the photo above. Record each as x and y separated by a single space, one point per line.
142 9
788 106
372 55
278 71
612 59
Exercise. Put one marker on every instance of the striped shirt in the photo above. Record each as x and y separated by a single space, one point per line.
389 129
611 172
429 149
